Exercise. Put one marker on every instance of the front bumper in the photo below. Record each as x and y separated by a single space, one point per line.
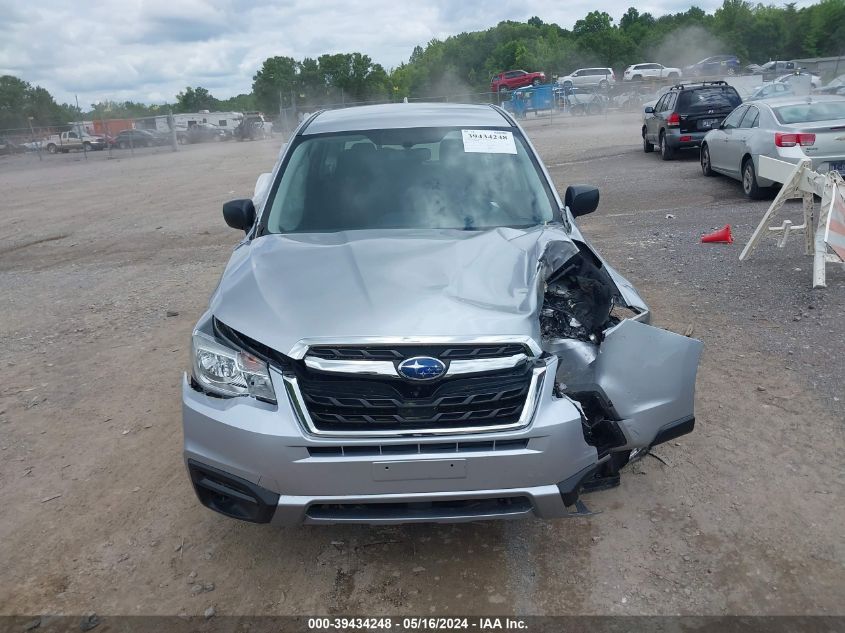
265 453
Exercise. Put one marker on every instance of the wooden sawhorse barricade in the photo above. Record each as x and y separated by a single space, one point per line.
828 230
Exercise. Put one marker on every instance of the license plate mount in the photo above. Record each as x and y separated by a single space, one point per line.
419 469
708 124
838 165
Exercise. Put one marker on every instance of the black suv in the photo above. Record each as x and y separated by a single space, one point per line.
685 113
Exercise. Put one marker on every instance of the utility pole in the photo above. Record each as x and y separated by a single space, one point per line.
171 122
79 128
32 132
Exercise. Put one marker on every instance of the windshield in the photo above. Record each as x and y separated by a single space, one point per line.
811 112
431 178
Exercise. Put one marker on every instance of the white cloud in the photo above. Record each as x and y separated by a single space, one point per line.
148 50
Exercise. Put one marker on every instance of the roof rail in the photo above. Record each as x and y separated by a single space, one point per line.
686 84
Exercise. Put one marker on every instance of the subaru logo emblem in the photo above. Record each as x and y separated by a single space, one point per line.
421 368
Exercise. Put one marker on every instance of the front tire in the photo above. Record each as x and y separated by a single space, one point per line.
673 77
536 82
52 149
567 85
666 152
706 165
604 84
648 147
749 181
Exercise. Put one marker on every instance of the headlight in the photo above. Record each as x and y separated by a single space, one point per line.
229 372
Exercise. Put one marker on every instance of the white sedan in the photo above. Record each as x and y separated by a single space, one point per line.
639 72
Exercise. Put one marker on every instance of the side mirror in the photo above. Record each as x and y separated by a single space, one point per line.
239 214
649 110
581 199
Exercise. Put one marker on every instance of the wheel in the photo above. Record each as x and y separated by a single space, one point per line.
666 152
749 180
122 145
637 78
704 157
673 76
567 85
51 148
578 110
731 71
536 82
86 146
648 147
504 91
604 84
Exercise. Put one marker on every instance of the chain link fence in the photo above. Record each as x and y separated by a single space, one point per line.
96 138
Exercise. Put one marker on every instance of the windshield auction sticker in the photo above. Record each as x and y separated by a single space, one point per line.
488 141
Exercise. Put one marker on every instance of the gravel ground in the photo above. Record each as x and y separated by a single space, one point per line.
743 516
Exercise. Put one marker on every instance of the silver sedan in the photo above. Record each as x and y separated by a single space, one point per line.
787 128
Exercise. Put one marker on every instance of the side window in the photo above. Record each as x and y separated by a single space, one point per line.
673 100
734 118
658 107
752 115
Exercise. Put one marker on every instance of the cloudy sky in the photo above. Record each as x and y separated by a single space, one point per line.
148 50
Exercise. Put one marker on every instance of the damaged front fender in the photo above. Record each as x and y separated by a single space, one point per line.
648 375
634 383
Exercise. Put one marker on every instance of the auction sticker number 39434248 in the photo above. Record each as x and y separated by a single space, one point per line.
488 141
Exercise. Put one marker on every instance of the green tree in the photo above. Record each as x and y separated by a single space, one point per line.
195 99
274 83
19 101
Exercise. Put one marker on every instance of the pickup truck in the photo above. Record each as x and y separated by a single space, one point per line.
67 141
513 79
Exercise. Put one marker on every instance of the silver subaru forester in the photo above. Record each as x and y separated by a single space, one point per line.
413 329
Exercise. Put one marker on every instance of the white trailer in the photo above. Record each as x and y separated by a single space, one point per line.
225 120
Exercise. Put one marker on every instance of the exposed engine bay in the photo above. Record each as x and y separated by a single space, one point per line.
578 300
577 309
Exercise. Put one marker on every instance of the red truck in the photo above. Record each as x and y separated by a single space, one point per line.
513 79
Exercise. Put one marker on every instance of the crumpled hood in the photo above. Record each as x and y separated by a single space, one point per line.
279 289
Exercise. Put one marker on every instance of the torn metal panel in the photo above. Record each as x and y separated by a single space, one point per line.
649 376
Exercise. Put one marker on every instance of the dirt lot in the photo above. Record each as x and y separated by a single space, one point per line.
743 516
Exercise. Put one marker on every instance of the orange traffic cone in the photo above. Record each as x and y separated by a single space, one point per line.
722 236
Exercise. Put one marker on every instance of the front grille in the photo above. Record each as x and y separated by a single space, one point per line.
401 352
347 403
338 402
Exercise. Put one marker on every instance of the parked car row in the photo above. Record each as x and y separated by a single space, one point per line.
731 136
604 78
